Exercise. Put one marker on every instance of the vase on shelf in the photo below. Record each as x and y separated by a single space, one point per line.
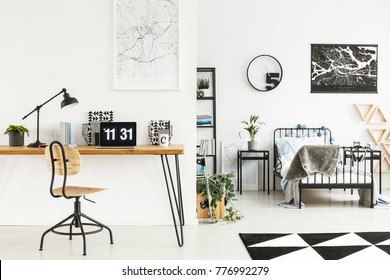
252 145
16 139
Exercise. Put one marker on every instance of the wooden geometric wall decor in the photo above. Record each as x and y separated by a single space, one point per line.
386 147
373 115
377 117
386 136
378 134
385 165
364 110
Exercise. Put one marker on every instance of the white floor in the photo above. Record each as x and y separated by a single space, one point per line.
326 211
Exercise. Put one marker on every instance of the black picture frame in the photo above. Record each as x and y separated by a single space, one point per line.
344 68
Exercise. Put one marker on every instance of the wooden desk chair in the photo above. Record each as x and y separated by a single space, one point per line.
65 161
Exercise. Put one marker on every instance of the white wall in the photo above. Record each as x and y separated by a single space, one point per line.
47 45
231 33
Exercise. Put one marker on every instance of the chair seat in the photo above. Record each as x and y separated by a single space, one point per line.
74 191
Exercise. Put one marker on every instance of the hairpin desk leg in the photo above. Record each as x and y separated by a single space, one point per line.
174 196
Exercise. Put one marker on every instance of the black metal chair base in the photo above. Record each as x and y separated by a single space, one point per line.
77 233
77 223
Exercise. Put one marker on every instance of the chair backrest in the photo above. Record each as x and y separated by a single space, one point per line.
61 160
55 155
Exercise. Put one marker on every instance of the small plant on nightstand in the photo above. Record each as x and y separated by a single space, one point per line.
253 127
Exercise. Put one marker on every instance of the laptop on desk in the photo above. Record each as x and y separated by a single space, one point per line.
117 135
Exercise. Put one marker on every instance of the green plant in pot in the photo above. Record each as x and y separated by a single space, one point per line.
253 128
16 134
222 195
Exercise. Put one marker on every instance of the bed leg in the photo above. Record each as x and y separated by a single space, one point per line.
300 197
273 180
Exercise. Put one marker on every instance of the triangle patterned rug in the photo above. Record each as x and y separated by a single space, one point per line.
318 246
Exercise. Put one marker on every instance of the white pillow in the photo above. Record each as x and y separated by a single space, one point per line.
289 146
317 140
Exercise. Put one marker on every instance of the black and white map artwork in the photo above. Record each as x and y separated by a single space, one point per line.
146 44
344 68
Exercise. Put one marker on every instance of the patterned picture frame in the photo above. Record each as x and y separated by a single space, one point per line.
93 126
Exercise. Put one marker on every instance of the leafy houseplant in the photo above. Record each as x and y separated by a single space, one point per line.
16 134
253 127
221 189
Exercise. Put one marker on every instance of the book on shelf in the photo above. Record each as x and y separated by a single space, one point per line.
206 147
204 120
65 133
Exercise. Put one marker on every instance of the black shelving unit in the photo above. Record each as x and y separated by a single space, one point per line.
204 98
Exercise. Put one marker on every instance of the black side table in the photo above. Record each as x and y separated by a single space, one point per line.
260 155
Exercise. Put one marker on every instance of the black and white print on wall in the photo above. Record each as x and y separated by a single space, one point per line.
341 68
146 44
106 116
93 126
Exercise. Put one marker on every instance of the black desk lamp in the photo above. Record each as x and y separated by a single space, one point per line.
66 102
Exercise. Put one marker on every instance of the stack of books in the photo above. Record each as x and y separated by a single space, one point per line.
65 133
204 120
206 147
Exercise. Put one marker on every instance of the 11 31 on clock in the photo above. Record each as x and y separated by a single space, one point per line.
118 134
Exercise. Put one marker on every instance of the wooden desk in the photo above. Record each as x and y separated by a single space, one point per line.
93 150
174 192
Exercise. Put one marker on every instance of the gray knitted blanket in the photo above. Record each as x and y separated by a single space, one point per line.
313 158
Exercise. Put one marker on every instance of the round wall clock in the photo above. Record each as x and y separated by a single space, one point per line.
264 72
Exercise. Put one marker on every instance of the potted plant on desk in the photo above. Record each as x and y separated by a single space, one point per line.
253 127
16 134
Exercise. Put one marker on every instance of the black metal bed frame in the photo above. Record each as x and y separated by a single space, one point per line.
359 160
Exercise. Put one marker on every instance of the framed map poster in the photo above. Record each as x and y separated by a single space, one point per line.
338 68
229 155
146 45
229 163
